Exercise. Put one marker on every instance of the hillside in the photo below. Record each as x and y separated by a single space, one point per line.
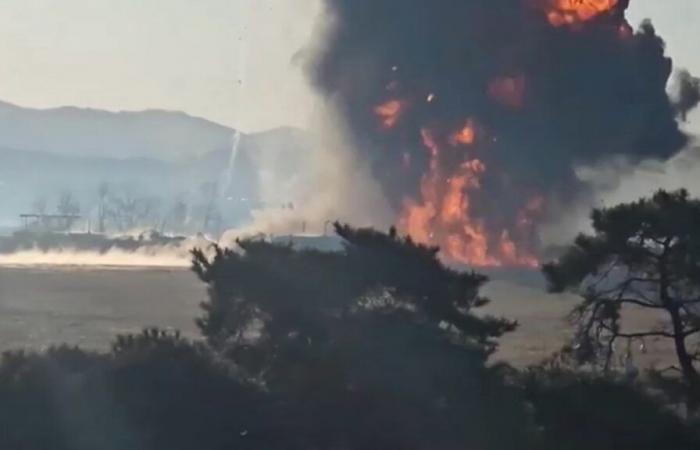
159 154
167 135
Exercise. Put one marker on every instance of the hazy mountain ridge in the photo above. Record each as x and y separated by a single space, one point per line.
45 152
157 134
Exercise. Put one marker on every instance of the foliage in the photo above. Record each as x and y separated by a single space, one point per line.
155 391
576 410
642 255
297 291
378 341
373 347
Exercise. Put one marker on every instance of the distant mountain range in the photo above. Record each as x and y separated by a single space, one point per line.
159 153
166 135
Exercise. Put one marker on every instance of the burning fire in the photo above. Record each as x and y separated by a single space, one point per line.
572 12
389 113
443 214
465 136
474 121
451 208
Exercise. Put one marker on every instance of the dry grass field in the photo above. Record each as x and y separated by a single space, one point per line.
88 306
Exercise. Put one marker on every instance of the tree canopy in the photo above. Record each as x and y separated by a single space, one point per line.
644 254
380 339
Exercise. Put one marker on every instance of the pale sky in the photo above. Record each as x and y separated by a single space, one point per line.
225 60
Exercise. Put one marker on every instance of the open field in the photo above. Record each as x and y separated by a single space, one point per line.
87 306
40 307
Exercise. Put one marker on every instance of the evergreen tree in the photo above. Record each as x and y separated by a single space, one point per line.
642 255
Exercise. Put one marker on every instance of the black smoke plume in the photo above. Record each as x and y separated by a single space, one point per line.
545 97
687 93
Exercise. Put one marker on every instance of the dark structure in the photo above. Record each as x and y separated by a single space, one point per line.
48 222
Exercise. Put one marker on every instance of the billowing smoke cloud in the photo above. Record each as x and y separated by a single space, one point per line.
324 183
484 109
687 93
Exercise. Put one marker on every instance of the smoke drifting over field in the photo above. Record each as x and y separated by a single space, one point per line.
116 251
80 258
475 115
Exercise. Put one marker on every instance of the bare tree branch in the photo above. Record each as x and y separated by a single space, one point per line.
639 335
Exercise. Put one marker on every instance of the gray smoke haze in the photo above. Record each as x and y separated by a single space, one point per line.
332 184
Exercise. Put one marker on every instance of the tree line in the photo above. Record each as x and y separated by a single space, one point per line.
119 208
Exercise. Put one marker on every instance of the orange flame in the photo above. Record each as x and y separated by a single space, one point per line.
570 12
389 113
465 136
443 215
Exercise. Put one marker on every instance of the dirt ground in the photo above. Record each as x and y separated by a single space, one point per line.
88 306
